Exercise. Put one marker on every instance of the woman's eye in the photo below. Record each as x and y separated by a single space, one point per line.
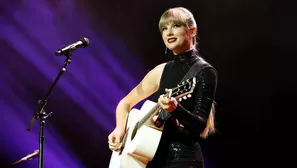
176 25
163 28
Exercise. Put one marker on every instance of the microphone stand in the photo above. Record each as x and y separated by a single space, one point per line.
42 115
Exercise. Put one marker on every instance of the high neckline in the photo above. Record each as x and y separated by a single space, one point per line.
188 57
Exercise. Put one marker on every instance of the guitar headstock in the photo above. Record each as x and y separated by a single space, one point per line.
183 90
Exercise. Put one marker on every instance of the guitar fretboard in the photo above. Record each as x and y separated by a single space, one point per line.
153 111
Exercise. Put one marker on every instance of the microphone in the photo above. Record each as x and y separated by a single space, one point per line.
82 43
28 157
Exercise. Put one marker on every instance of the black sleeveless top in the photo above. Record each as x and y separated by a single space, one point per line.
191 113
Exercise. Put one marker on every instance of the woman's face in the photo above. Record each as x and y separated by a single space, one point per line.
176 37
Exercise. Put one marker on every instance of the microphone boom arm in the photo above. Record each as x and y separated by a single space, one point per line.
42 115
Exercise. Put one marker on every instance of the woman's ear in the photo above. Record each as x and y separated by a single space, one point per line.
193 32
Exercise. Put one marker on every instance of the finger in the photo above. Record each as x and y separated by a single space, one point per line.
110 137
165 100
113 145
172 100
110 142
161 99
162 103
165 107
112 148
117 139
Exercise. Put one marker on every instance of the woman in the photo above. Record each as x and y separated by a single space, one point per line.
190 119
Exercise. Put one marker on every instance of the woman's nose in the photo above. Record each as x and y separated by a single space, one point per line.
169 32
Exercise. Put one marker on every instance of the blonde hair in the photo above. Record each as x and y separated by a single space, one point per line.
210 125
178 15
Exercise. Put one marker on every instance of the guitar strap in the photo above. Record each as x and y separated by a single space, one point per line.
193 71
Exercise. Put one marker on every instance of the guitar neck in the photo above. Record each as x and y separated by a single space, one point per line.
149 115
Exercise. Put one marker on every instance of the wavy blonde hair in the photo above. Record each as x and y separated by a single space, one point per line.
210 125
183 16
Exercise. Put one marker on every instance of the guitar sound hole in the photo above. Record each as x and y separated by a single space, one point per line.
134 131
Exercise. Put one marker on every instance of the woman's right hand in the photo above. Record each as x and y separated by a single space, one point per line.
114 138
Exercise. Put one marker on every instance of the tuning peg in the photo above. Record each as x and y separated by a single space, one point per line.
180 99
189 95
185 97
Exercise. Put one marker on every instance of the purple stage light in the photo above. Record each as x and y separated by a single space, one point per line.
31 31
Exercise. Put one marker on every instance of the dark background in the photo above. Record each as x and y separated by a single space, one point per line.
252 44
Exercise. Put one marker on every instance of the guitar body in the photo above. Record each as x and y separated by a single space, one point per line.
142 137
138 147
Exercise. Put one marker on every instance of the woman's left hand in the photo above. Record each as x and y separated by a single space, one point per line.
168 104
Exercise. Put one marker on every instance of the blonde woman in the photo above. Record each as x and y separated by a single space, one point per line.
190 120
